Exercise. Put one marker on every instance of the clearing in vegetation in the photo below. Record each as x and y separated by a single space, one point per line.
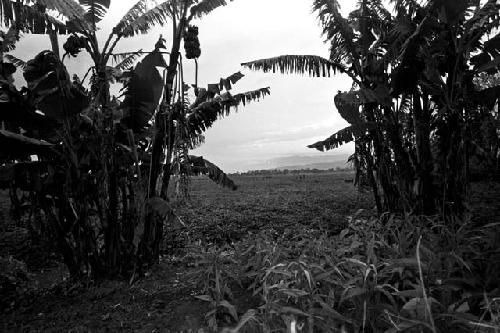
262 244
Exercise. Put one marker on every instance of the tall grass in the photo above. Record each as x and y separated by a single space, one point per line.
391 274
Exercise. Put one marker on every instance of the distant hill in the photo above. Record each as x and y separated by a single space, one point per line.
303 162
318 166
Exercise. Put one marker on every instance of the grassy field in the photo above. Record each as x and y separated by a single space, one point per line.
319 201
163 301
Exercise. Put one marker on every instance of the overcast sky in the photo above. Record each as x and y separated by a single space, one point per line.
300 110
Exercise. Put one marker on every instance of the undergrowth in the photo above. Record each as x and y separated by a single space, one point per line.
13 281
392 274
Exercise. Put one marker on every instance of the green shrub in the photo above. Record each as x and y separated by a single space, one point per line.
393 274
13 280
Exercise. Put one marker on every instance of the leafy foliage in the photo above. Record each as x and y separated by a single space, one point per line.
9 39
126 60
313 65
202 116
405 71
377 275
204 7
13 278
200 166
68 8
51 87
143 91
213 277
99 150
31 16
139 20
15 61
20 146
342 137
96 9
338 32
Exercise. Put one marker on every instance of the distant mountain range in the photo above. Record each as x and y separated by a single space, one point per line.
302 162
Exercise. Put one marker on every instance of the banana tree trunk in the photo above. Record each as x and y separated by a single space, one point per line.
425 191
162 121
112 229
364 151
163 143
54 42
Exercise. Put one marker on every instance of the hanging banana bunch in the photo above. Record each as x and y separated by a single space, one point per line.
74 45
192 43
193 50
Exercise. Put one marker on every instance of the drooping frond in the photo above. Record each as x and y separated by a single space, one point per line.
136 11
405 7
17 145
405 75
50 85
139 21
342 137
68 8
485 21
29 18
488 97
204 7
96 9
15 61
483 63
9 39
397 35
250 96
377 7
227 83
215 89
126 60
312 65
200 166
337 30
143 92
117 58
203 115
492 46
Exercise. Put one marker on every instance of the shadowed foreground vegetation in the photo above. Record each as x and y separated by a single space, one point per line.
264 258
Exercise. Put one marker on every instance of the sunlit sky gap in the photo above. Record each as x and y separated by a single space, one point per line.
300 110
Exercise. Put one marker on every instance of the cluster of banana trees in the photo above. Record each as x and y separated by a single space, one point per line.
96 167
415 103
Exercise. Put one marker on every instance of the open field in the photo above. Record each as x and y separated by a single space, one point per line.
319 201
163 301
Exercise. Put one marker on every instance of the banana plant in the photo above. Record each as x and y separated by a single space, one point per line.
400 109
350 40
142 93
100 147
